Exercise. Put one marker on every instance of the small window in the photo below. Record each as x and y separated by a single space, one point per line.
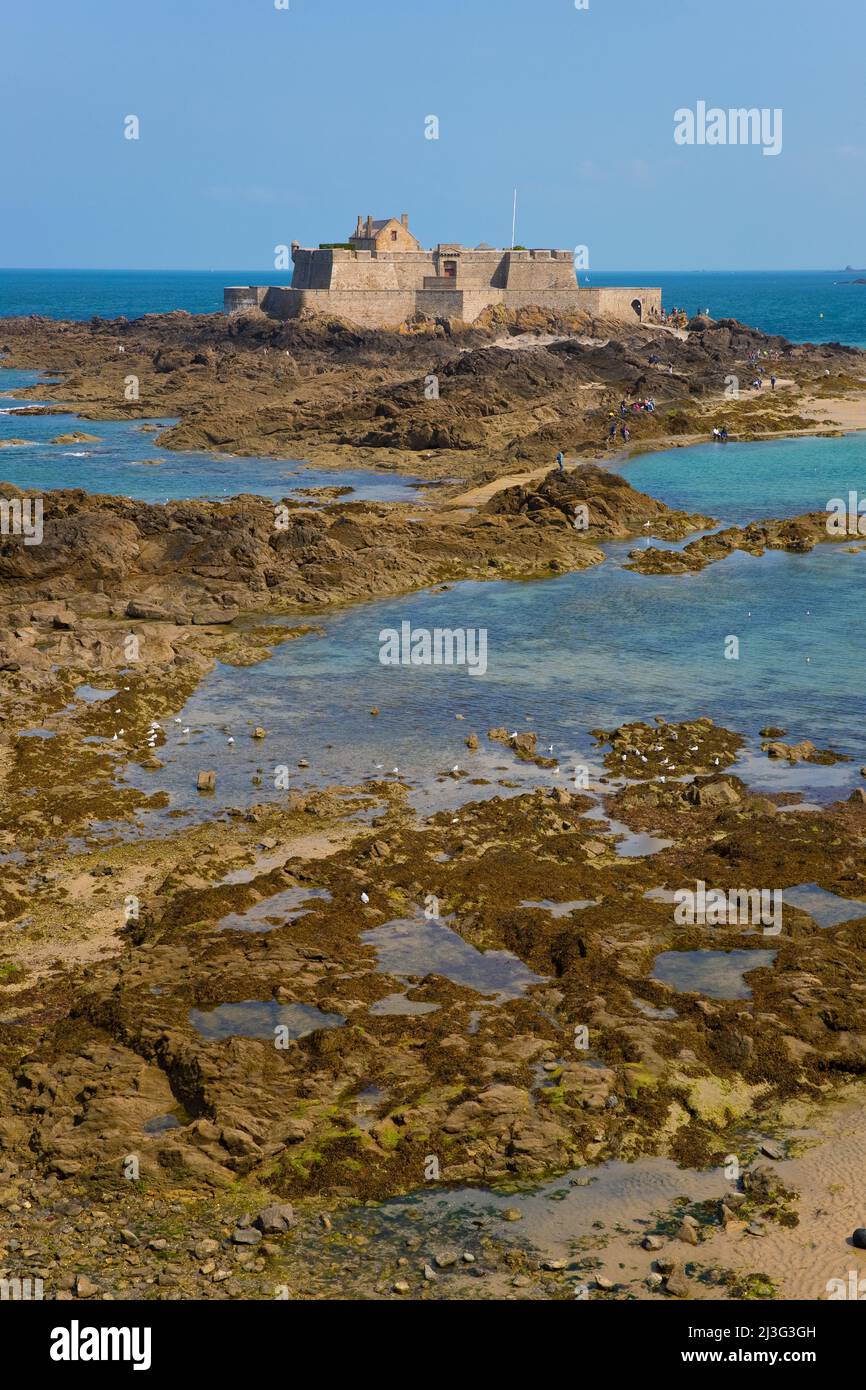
393 236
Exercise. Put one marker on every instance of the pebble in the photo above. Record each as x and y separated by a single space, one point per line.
859 1238
512 1214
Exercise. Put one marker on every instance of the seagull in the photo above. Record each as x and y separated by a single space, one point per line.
456 767
186 731
231 740
177 719
364 898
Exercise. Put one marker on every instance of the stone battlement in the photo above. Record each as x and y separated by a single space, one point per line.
385 276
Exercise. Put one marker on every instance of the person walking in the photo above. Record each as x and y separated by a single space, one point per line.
560 459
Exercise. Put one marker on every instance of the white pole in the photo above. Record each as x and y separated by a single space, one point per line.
514 220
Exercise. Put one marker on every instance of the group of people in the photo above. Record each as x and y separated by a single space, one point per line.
720 436
677 317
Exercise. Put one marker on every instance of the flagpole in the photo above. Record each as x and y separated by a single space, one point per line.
514 220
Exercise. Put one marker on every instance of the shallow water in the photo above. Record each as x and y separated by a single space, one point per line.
565 656
115 462
826 908
738 483
563 909
717 974
280 910
409 947
252 1018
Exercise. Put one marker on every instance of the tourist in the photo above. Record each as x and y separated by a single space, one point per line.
560 459
773 382
724 434
626 433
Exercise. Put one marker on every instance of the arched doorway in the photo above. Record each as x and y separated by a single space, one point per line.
637 305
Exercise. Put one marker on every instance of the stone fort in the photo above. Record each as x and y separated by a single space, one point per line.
383 276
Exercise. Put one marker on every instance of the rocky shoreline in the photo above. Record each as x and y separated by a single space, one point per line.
196 1094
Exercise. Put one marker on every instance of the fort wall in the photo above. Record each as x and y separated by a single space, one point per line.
378 287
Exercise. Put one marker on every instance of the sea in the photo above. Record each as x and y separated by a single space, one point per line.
817 306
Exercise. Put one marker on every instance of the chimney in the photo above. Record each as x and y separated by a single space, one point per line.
359 227
369 226
404 218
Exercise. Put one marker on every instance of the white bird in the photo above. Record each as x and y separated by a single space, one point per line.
186 731
364 898
456 767
395 769
177 719
231 740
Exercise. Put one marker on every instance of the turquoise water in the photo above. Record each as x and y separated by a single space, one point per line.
114 463
565 656
787 302
747 482
791 303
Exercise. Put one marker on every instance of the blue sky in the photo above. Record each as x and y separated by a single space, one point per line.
261 126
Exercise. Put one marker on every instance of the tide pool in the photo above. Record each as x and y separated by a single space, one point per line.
117 461
738 483
564 656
